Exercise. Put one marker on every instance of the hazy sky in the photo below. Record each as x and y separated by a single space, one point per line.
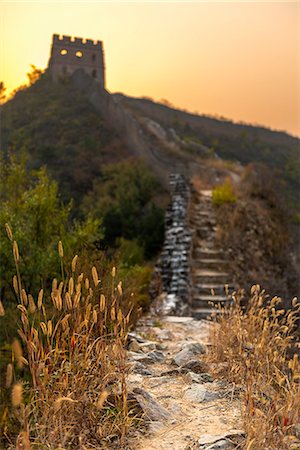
240 59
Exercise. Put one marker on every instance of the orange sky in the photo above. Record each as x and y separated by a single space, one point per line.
240 60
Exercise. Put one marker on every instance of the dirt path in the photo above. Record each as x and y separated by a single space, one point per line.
187 408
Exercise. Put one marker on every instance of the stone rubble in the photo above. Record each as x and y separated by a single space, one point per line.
172 395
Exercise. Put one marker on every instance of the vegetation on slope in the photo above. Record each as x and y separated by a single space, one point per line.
56 126
231 141
254 231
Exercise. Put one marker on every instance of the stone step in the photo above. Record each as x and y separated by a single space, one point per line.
212 298
206 193
205 276
203 253
204 313
206 301
205 289
210 263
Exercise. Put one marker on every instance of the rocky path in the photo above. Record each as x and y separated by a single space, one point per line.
209 268
184 406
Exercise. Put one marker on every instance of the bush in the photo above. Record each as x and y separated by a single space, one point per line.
223 194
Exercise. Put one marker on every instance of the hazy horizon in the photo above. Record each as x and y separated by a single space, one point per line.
233 59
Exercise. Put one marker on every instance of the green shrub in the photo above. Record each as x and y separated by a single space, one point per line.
223 194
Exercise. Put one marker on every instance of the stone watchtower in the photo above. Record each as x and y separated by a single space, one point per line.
69 54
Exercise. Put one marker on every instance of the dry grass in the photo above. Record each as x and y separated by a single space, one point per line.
254 346
74 348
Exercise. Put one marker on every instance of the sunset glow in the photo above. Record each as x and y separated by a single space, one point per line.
234 59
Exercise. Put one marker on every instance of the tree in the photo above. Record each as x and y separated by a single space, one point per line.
34 74
32 208
2 92
124 197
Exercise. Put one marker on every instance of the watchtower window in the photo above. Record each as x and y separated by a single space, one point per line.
64 52
94 73
93 57
79 54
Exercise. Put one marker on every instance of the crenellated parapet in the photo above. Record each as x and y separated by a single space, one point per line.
69 40
69 54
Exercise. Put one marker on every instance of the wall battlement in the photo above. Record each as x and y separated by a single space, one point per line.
69 54
69 40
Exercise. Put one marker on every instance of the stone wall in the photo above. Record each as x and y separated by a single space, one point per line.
140 142
173 267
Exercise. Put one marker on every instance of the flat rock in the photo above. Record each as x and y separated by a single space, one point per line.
178 319
153 410
187 353
156 356
223 444
134 346
198 393
219 441
199 378
141 369
194 365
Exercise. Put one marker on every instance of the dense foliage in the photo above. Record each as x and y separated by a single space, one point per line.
56 126
30 204
124 196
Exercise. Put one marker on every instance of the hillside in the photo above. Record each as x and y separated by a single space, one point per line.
80 270
237 142
55 125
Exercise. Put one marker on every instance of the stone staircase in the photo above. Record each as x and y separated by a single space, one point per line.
210 279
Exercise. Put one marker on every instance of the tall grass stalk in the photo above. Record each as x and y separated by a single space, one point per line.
74 340
257 349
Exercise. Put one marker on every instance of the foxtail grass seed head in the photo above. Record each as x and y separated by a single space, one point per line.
74 261
24 297
95 276
32 307
95 316
15 284
9 232
113 313
2 311
101 400
102 303
40 298
9 375
71 286
76 300
87 283
16 349
113 272
60 249
23 441
119 287
17 395
60 287
120 316
16 252
44 328
54 284
80 278
68 301
49 328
